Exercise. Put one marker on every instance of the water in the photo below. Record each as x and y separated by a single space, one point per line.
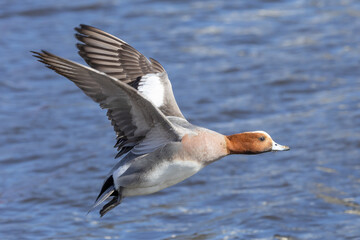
290 68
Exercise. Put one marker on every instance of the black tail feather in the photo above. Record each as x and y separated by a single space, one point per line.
116 200
108 183
108 190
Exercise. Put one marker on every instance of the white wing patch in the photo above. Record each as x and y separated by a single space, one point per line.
151 86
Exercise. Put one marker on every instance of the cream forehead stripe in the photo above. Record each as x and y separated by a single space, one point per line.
263 133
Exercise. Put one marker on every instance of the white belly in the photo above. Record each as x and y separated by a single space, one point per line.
163 176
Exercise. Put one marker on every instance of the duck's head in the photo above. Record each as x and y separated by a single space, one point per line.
252 143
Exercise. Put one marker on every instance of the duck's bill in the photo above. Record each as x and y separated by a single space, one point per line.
278 147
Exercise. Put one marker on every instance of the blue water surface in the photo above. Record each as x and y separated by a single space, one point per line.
288 67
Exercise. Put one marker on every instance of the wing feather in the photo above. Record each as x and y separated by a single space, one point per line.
118 59
133 116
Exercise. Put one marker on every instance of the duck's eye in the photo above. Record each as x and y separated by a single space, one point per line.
262 138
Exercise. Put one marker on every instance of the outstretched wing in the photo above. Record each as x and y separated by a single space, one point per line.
118 59
137 122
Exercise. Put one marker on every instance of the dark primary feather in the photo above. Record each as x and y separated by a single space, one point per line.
113 56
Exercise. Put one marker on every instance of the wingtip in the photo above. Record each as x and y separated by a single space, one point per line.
80 46
82 27
40 55
36 54
79 36
77 29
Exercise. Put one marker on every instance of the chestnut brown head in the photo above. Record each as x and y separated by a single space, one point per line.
252 143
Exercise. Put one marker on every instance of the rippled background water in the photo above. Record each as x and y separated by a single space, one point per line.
290 68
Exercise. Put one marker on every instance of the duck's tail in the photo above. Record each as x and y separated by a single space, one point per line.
107 190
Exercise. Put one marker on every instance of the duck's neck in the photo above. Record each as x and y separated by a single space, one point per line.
206 146
233 144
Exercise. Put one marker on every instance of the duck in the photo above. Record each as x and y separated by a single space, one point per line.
157 146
